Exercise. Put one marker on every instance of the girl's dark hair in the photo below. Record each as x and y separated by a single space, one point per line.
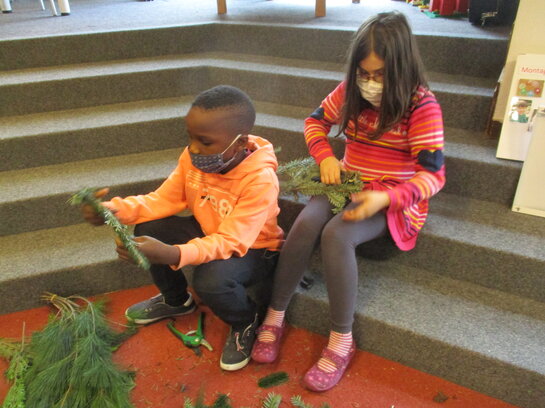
389 36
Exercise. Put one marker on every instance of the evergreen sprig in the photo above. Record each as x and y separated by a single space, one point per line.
18 366
273 379
87 196
302 176
272 400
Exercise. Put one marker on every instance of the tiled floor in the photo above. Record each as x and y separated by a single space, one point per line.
167 372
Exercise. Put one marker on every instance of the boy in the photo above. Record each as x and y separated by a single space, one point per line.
227 178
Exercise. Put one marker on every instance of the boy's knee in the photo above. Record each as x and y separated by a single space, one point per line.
209 281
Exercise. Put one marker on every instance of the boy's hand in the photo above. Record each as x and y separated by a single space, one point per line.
156 251
89 214
370 202
330 170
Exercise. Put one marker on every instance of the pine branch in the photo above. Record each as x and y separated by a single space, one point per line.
87 196
18 366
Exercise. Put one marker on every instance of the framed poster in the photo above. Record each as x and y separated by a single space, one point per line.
525 96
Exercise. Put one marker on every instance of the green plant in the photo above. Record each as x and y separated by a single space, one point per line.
16 354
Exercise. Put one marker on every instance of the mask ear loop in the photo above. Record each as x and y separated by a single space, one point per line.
232 143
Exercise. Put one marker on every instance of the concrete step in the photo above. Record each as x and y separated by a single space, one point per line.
441 53
483 339
465 100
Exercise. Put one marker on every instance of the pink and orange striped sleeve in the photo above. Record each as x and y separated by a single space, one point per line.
425 137
318 124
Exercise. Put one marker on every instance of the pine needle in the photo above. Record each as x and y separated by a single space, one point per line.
222 401
302 176
297 401
87 196
272 400
273 379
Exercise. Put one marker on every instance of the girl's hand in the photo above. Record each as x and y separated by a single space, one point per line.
330 171
156 251
370 203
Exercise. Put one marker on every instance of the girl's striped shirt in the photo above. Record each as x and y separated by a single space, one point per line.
407 162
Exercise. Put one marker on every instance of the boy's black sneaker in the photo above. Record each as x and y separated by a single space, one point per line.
155 308
238 347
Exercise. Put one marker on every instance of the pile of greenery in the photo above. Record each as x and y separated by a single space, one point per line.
69 363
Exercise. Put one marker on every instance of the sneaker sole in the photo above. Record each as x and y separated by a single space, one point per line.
234 367
148 321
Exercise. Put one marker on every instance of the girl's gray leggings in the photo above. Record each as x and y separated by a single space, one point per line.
338 239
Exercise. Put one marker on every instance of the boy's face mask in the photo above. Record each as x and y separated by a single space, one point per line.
213 163
371 91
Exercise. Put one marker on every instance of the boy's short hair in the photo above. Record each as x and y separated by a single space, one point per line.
229 97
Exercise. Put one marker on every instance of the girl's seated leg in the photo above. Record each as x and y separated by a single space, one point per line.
294 259
338 242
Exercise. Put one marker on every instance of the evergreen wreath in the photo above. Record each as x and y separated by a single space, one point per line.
302 176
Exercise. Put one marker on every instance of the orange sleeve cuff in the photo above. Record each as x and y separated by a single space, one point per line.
189 254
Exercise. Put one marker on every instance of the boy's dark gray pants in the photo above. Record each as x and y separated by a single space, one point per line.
221 284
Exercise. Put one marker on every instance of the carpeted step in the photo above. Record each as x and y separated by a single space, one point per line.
37 198
465 100
471 240
470 232
440 53
79 259
34 196
480 338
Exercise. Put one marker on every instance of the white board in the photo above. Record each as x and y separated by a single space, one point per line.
530 195
525 96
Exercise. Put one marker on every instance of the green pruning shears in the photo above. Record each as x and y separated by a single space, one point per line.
194 338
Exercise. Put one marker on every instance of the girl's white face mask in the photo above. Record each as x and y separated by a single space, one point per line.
371 91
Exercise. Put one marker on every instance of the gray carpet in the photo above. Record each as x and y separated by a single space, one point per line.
28 20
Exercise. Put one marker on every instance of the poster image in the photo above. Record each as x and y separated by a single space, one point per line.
520 110
530 87
525 96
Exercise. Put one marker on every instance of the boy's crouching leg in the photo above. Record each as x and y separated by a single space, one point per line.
222 286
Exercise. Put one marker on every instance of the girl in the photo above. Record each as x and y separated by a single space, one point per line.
394 137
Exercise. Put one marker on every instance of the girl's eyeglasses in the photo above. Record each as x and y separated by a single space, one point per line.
365 76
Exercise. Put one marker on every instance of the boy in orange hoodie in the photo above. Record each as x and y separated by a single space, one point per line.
227 179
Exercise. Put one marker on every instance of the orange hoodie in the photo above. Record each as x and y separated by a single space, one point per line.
236 211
